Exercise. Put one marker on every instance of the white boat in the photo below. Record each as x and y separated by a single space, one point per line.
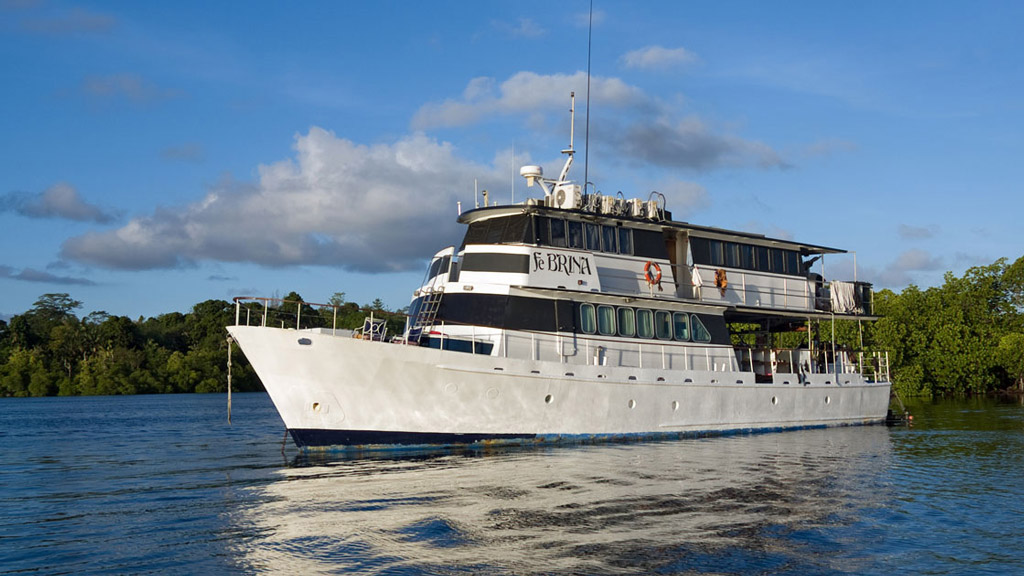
579 317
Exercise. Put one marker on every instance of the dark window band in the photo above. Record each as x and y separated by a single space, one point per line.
514 263
535 314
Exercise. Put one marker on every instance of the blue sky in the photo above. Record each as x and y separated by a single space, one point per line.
156 155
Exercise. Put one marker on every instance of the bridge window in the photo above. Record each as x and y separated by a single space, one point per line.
625 241
557 232
608 243
592 235
575 234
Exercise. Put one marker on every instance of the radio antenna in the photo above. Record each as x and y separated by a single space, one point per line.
586 131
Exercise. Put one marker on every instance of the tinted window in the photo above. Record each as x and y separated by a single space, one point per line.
763 262
625 241
747 256
663 325
592 233
778 261
732 254
644 323
435 268
608 243
716 252
606 320
543 231
588 319
700 333
681 322
558 232
575 234
627 322
792 262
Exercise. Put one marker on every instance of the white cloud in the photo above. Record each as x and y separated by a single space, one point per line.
366 208
900 271
59 201
684 198
657 58
629 124
523 27
585 19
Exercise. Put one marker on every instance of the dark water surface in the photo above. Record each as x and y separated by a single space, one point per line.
161 484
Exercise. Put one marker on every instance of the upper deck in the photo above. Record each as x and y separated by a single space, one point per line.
633 248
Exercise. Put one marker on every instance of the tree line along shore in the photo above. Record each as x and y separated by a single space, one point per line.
963 338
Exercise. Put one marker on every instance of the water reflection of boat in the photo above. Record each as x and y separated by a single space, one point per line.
742 501
579 316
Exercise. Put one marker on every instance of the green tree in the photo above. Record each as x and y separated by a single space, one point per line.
1010 355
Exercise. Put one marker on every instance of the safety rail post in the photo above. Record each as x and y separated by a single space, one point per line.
238 311
266 311
298 315
334 323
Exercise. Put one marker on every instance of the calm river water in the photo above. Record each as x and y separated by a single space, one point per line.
162 484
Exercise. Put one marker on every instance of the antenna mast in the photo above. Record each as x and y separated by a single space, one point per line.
572 128
586 133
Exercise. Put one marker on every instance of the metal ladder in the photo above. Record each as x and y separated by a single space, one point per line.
425 316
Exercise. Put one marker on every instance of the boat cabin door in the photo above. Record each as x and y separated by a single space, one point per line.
677 243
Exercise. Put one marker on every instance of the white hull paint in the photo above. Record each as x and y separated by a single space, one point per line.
329 386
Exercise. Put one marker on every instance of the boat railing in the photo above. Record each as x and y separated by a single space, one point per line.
755 289
301 315
872 365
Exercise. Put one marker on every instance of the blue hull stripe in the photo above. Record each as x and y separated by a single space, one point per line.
361 440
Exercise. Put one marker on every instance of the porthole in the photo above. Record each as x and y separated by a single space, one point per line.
632 404
828 400
775 400
549 399
675 405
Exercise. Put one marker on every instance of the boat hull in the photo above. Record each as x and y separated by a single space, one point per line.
337 391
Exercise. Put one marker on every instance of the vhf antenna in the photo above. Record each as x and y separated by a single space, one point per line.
586 132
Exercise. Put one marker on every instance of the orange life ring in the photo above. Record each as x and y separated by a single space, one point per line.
652 277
